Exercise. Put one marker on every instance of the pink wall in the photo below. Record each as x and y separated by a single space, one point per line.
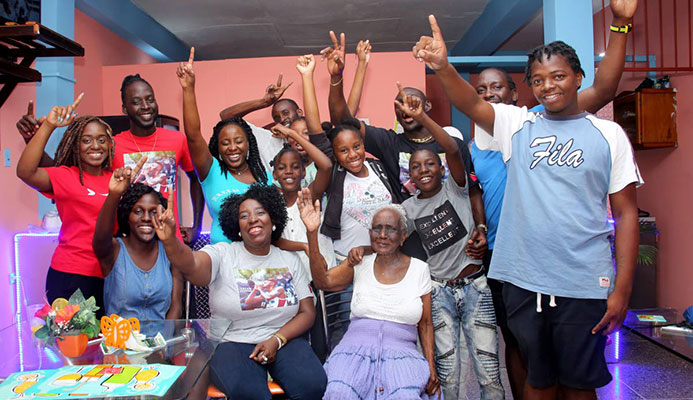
101 47
20 202
668 173
225 82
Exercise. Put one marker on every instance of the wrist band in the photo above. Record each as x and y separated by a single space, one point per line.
281 337
621 28
483 228
278 340
338 82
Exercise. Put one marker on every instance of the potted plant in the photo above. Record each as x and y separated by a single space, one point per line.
70 323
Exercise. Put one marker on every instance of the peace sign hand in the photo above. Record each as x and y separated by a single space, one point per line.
63 116
335 55
410 105
275 91
186 73
123 177
305 64
432 50
165 221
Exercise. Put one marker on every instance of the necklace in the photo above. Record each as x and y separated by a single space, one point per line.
156 136
422 140
241 171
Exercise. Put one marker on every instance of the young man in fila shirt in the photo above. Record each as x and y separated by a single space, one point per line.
552 248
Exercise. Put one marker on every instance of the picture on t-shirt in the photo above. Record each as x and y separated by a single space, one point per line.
440 230
405 178
265 288
362 201
158 172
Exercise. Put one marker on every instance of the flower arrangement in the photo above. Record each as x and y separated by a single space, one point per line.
68 317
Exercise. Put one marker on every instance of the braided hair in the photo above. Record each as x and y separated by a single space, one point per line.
68 153
129 80
554 48
131 196
257 169
271 200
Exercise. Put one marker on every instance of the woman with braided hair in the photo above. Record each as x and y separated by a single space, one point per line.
78 183
229 163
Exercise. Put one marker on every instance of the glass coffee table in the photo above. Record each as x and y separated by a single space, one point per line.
189 343
669 334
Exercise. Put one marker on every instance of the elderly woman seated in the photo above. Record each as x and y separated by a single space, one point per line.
392 298
262 289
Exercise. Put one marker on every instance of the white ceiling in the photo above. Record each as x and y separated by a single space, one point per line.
255 28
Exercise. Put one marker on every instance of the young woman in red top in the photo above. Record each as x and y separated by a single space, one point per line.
79 185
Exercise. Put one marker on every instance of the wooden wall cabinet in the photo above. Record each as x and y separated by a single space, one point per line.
648 117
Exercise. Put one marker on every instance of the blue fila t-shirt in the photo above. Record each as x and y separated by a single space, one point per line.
553 231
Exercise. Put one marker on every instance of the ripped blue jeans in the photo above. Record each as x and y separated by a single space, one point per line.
465 324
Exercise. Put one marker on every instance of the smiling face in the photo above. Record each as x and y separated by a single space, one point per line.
285 112
387 233
301 127
141 217
288 171
94 147
140 105
255 225
350 152
493 87
555 85
233 146
426 172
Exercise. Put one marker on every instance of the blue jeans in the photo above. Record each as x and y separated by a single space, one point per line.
464 323
296 369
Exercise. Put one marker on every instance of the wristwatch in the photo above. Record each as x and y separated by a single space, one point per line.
483 228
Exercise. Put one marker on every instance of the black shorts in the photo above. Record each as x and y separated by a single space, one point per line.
557 343
64 284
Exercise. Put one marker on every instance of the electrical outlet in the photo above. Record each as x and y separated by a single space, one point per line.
8 158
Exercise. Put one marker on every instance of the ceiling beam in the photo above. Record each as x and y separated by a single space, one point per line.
496 24
132 24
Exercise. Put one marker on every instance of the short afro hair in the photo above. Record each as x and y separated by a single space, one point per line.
291 101
127 203
271 200
547 50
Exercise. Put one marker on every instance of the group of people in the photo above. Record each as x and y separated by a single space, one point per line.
442 241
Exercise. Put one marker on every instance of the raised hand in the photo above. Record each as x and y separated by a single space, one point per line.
275 91
123 177
623 10
165 221
28 124
310 211
335 54
432 50
305 64
280 131
63 116
410 105
186 73
363 51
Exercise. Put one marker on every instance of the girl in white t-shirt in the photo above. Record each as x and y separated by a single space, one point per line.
391 302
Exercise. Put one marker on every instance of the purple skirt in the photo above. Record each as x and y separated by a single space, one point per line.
377 360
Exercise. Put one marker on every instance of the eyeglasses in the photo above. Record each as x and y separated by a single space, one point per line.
389 230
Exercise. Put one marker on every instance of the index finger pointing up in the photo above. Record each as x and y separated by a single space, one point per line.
401 91
30 108
435 29
77 100
334 39
279 80
192 55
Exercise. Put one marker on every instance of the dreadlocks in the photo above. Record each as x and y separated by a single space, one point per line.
129 80
547 50
253 159
67 153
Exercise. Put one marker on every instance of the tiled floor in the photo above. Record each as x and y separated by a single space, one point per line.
641 370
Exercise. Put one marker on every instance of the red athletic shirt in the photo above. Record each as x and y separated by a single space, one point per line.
166 150
78 206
